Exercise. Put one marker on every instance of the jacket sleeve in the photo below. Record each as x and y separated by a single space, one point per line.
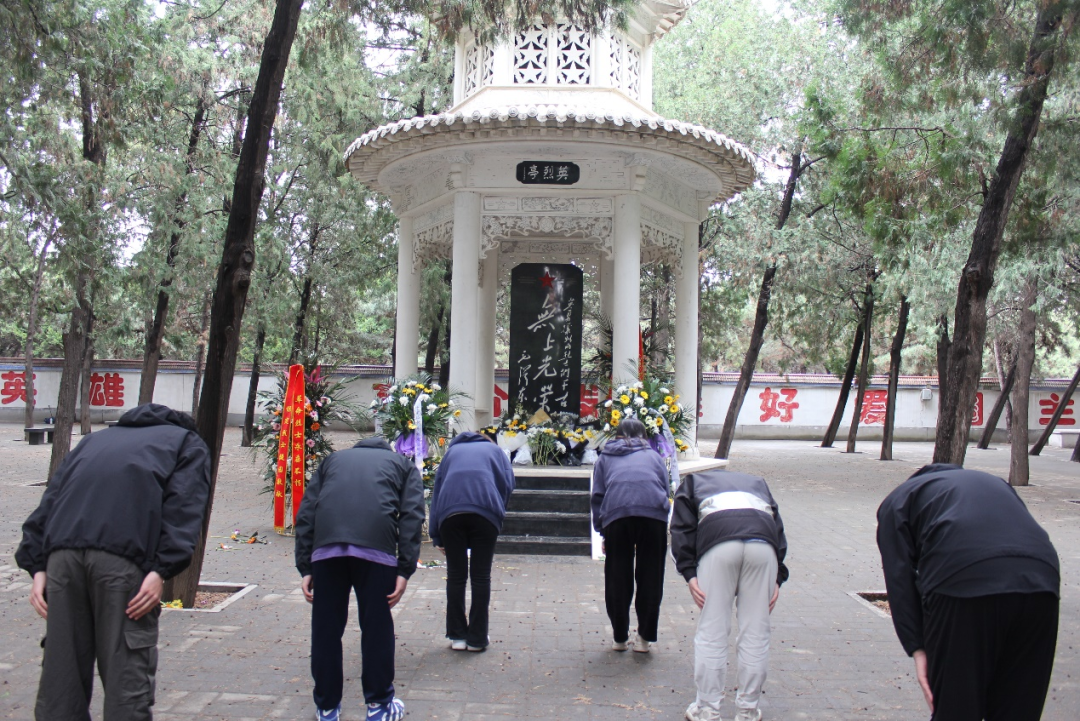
305 522
433 516
30 555
781 544
899 561
684 525
410 522
183 508
507 477
599 489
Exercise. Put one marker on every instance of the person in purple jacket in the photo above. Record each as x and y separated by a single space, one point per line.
630 510
468 504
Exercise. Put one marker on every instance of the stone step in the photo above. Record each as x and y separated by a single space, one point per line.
544 546
551 483
563 525
545 501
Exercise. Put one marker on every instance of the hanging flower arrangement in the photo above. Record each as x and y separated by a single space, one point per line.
326 404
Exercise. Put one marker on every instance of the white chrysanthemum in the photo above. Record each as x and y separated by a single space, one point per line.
560 447
423 397
403 400
639 401
608 404
431 408
607 427
620 390
663 409
436 387
643 411
391 389
665 391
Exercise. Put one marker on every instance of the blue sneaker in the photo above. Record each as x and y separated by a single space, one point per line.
393 711
333 714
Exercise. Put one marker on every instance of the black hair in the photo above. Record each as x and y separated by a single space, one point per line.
631 428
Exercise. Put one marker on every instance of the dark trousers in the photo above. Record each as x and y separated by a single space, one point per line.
333 579
990 657
623 539
461 532
88 593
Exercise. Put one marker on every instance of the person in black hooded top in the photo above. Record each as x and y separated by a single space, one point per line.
121 515
468 504
630 510
973 584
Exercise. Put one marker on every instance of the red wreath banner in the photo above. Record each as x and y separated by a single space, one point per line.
290 444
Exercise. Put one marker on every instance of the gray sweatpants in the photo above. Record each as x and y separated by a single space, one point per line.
88 592
743 573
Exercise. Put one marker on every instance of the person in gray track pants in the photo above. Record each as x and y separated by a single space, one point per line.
728 542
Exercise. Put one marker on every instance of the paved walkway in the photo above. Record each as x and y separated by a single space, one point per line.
832 658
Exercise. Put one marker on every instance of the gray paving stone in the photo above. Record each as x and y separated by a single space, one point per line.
550 657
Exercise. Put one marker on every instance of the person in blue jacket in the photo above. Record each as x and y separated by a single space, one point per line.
630 510
468 504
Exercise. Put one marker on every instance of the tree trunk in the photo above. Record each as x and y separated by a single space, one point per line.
237 261
87 368
943 345
433 342
864 368
1001 404
298 344
74 344
746 372
152 351
1002 378
1025 359
845 388
444 364
200 354
31 333
1076 451
253 390
1041 443
894 379
761 316
977 278
661 321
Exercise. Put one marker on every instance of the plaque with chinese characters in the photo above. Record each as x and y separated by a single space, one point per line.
545 338
546 172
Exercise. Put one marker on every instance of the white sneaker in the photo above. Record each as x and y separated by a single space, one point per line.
458 644
618 645
701 712
641 645
748 714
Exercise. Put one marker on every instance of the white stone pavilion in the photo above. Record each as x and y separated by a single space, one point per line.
551 93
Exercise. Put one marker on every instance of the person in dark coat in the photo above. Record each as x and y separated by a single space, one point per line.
973 584
358 530
468 503
120 516
630 510
728 542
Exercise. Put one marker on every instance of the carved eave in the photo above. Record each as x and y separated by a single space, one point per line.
657 17
729 161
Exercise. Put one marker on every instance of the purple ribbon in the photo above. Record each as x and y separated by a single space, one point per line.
408 445
661 445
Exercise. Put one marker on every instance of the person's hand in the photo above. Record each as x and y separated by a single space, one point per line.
148 598
399 590
308 588
775 595
697 593
37 595
603 547
441 550
921 673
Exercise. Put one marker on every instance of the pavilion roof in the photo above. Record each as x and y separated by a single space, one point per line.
724 157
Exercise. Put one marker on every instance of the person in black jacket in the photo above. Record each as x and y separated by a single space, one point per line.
358 529
973 584
728 543
468 505
121 515
630 510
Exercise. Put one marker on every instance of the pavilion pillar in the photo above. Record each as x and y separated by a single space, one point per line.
463 304
626 271
607 285
407 330
686 330
485 346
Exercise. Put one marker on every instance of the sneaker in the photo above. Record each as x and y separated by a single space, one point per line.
701 712
392 711
458 644
641 645
333 714
748 714
618 645
478 649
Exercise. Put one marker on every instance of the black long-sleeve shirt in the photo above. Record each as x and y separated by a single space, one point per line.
960 533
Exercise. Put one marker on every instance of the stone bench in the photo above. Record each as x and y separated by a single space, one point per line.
1065 438
39 435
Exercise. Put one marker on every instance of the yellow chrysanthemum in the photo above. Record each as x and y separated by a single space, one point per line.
668 400
624 399
615 414
644 395
674 408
